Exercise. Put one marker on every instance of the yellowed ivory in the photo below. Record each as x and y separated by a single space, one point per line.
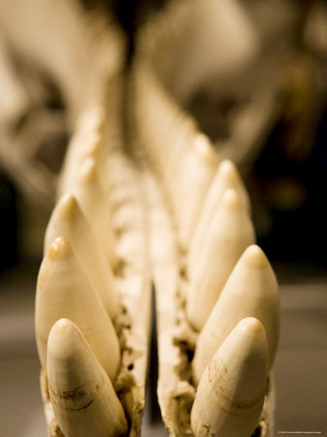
68 220
251 290
226 177
81 393
231 391
65 289
229 233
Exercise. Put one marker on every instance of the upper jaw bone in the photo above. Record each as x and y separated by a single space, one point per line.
231 391
82 395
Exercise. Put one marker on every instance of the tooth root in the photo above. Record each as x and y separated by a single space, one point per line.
89 193
251 290
68 220
82 395
226 177
64 289
231 391
229 234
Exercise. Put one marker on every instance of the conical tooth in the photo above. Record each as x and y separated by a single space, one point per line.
95 206
82 396
226 177
229 234
84 143
231 391
196 171
68 220
64 289
251 290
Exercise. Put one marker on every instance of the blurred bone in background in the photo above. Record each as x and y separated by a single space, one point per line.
257 71
253 74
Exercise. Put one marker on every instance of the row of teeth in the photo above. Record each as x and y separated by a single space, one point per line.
230 293
87 283
225 295
231 303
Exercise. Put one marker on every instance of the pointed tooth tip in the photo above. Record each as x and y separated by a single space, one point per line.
228 170
251 324
232 200
205 149
61 327
254 257
68 204
62 337
60 249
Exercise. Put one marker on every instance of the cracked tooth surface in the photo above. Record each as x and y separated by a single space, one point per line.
231 391
82 395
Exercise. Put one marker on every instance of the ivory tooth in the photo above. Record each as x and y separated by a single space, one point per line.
195 175
82 396
229 234
68 220
95 206
64 289
251 290
226 177
231 391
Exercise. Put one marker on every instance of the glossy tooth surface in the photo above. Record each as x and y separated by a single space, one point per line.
231 391
88 191
82 395
251 290
64 289
68 220
226 177
229 234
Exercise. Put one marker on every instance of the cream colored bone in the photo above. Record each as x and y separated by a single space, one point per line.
95 206
81 393
64 289
68 220
227 176
229 233
231 391
251 290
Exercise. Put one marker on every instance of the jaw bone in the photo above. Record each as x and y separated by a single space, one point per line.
82 395
68 220
231 391
251 290
229 233
64 289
